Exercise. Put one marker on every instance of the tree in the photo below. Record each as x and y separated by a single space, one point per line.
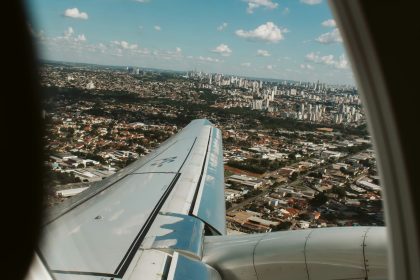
304 216
294 176
366 163
130 160
339 191
318 200
253 207
282 226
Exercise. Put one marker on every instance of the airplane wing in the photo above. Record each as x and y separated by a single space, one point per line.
132 222
163 218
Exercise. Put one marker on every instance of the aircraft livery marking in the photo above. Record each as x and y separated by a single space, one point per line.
161 162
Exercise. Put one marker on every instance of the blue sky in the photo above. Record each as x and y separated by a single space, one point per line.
279 39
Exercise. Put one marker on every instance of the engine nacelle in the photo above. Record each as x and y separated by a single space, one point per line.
327 254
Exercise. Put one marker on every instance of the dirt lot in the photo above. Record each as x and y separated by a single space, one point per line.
240 171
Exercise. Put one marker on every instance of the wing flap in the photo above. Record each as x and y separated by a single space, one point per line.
98 234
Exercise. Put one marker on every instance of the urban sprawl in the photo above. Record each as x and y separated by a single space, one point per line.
296 154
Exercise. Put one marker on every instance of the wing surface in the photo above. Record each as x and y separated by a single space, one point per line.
158 205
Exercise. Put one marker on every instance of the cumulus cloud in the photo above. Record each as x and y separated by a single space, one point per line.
254 4
100 47
68 32
204 58
263 53
71 42
68 41
268 32
163 54
208 59
328 23
222 26
157 28
80 38
223 50
246 64
330 37
340 63
70 36
125 45
311 2
306 66
75 13
315 57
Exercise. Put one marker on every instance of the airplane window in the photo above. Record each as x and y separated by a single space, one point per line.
122 79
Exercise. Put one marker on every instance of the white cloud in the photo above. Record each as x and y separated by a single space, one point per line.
208 59
315 57
101 47
223 50
268 32
70 42
269 67
246 64
75 13
330 37
222 26
286 11
144 51
68 32
69 35
125 45
80 38
340 63
157 28
306 66
204 58
164 54
254 4
142 1
311 2
263 53
328 23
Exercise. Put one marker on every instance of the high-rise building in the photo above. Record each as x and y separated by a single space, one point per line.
257 104
90 85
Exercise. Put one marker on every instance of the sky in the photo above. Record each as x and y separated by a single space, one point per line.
279 39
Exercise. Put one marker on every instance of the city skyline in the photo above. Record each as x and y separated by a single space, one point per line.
253 38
